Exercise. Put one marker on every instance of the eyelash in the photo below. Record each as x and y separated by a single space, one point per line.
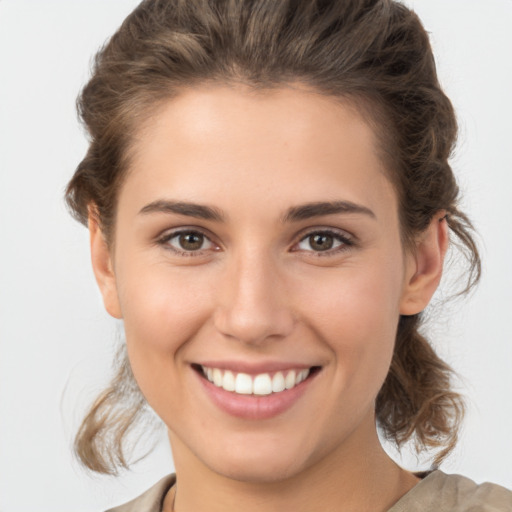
345 242
167 237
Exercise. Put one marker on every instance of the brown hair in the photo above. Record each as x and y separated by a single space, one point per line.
372 53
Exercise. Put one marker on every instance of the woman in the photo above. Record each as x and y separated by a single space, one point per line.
269 203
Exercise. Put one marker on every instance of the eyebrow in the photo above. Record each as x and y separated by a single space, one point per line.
318 209
198 211
293 214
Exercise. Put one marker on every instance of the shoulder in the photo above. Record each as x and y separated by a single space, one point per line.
439 492
151 500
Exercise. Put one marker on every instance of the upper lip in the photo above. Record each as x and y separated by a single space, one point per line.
255 368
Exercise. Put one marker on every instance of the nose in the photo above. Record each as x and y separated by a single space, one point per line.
253 306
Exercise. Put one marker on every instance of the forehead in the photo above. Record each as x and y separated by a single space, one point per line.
285 144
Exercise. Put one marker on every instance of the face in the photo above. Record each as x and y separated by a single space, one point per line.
258 268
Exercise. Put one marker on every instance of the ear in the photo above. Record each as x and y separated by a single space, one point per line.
424 266
102 266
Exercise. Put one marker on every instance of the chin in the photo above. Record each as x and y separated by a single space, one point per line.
260 473
258 463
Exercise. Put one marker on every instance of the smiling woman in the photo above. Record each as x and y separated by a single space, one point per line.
270 202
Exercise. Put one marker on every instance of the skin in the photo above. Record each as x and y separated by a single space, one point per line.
258 290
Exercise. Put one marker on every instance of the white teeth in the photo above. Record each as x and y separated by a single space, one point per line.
262 384
302 375
278 383
289 381
243 384
217 377
228 382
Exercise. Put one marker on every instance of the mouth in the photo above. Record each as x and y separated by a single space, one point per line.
261 384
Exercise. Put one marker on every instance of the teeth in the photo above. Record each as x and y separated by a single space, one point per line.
217 377
228 382
289 380
262 384
278 383
243 384
302 375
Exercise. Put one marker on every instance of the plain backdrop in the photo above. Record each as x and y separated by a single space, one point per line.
56 341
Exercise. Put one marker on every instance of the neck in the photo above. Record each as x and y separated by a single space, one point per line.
360 477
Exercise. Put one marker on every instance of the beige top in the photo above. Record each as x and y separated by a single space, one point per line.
437 492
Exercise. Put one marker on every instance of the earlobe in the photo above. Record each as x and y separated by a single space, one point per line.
103 268
424 266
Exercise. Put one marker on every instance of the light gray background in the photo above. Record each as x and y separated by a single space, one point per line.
55 339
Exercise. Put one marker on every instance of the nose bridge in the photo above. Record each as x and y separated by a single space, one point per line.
253 305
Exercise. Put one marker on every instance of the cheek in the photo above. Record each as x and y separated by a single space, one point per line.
162 312
357 300
162 309
356 314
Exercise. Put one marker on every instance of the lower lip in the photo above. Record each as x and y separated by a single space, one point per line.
254 407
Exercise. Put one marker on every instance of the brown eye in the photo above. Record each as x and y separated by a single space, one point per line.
187 242
321 241
329 242
191 241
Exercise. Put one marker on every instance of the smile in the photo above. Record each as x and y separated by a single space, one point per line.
260 384
250 393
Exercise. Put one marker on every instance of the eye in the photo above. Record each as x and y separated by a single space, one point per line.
324 241
187 242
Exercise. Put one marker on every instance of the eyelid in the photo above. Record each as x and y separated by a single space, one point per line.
347 240
167 235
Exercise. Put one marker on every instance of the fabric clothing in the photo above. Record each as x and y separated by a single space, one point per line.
437 492
151 501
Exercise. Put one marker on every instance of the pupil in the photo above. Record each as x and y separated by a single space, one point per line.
321 242
191 241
